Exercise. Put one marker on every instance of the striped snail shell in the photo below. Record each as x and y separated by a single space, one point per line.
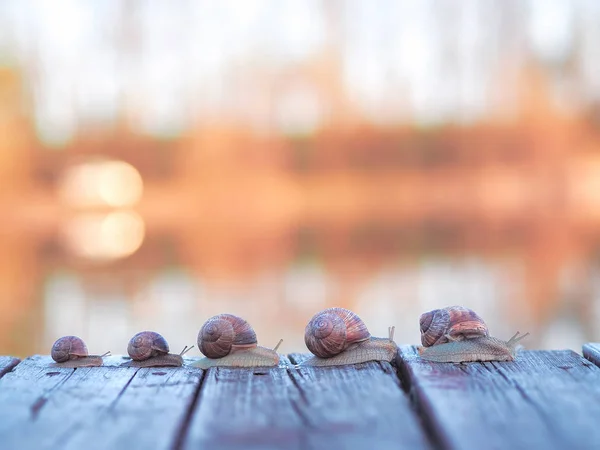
147 344
453 323
68 347
71 352
333 330
223 333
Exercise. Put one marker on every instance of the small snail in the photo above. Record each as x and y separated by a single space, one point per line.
150 349
337 336
71 351
454 323
484 348
229 341
457 334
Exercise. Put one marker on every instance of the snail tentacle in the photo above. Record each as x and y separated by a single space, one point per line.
352 344
229 341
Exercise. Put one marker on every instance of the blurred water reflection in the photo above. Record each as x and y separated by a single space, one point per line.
107 305
159 165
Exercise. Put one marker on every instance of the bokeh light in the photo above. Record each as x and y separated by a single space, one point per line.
115 235
101 183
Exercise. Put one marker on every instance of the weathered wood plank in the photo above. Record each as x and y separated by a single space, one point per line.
110 407
591 352
356 406
359 406
240 408
7 363
41 406
543 400
149 413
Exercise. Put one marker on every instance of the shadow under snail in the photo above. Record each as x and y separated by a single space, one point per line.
150 349
337 336
229 341
457 334
71 351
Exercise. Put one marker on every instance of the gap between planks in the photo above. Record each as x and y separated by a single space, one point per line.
7 364
544 399
58 407
43 406
296 407
309 405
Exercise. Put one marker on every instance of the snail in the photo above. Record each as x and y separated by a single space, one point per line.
454 323
229 341
150 349
457 334
337 336
71 351
485 348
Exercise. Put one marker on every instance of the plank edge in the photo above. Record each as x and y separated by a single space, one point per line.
591 352
13 362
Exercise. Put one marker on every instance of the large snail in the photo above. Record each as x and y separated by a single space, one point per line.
150 349
229 341
337 336
71 351
457 334
453 323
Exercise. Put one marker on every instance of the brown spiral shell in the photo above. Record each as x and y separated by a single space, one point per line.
220 334
455 321
147 344
333 330
68 347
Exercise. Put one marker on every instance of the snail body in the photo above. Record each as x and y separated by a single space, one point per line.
337 336
150 349
453 323
485 348
229 341
71 351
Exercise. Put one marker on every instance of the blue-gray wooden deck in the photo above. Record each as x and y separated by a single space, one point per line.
543 400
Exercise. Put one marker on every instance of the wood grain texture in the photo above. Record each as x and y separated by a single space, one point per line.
542 400
242 408
350 407
149 412
43 406
7 363
355 406
591 352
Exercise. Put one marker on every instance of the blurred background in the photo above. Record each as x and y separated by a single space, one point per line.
161 163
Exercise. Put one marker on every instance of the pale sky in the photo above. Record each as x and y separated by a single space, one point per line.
175 64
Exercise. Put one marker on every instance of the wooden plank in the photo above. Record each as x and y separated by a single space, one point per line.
240 408
542 400
150 412
356 406
46 407
591 352
291 407
7 363
41 406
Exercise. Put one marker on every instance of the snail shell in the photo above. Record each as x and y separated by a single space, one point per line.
67 348
147 344
223 333
71 351
229 341
150 349
333 330
453 323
